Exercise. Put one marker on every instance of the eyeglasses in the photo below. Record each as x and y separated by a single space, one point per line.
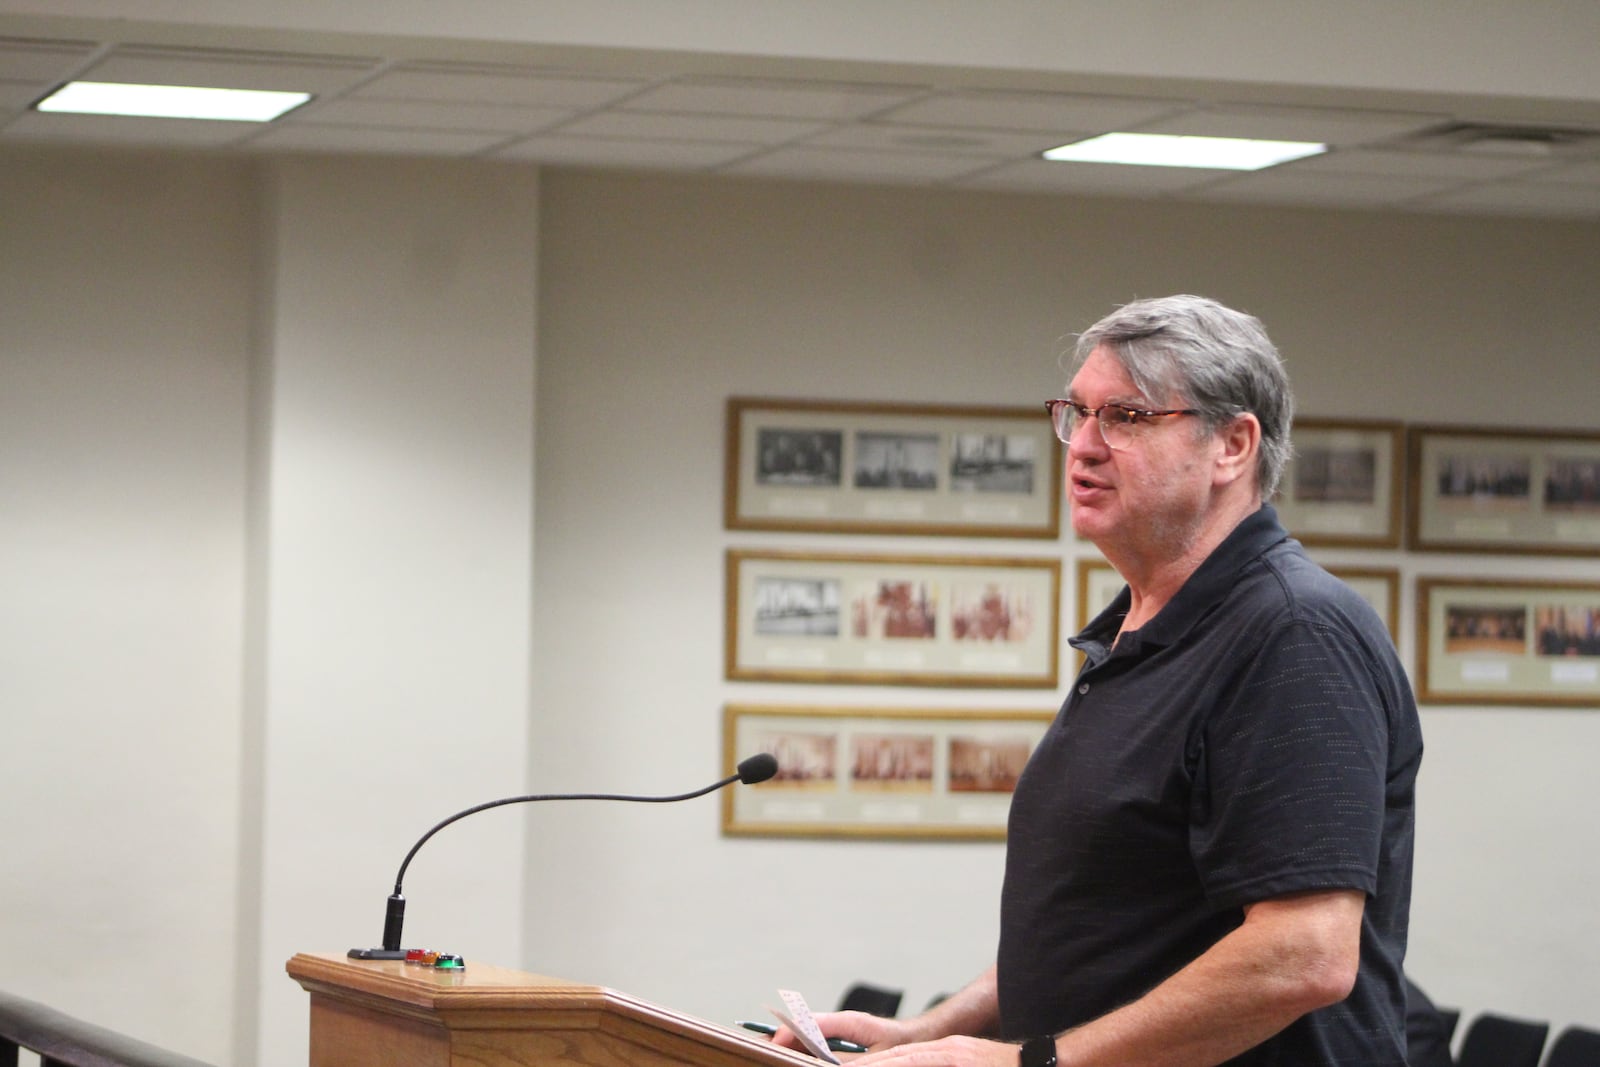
1119 424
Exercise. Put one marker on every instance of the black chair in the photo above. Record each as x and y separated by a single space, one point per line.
1428 1030
872 999
1576 1046
1501 1041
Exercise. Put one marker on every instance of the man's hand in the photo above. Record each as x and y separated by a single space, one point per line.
972 1010
945 1052
871 1031
885 1040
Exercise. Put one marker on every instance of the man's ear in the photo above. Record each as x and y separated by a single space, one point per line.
1241 444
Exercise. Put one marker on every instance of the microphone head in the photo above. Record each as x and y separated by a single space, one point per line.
758 768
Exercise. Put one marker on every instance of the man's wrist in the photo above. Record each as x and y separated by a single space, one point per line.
1037 1052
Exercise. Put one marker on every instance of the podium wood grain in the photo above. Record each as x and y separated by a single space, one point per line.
384 1013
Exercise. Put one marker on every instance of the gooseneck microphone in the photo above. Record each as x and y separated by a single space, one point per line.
757 768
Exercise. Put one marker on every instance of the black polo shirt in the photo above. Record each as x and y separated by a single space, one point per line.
1257 738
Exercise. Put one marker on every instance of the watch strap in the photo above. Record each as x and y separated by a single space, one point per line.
1037 1052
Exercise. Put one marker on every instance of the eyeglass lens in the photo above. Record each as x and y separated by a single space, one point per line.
1115 422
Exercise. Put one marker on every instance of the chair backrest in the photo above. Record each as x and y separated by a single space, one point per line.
1428 1030
1576 1046
872 999
1500 1041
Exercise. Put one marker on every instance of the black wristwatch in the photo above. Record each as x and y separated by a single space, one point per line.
1038 1052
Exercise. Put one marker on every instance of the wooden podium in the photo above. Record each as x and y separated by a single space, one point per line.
367 1013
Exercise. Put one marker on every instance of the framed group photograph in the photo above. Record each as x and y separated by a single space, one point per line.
1098 585
878 772
894 620
1508 642
1378 586
1342 487
1484 490
837 467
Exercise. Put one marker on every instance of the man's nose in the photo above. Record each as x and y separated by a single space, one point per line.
1087 440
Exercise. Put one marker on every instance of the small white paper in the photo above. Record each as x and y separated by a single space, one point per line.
891 812
797 1017
1564 673
903 659
785 505
1478 670
895 509
803 657
1339 522
987 512
986 659
1485 528
1580 530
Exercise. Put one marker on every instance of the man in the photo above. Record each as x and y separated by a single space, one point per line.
1209 854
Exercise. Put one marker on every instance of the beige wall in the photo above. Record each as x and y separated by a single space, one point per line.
266 457
125 310
284 513
398 357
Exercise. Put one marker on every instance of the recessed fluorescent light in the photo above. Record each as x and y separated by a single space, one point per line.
170 101
1168 150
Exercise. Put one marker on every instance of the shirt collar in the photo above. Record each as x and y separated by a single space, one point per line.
1211 581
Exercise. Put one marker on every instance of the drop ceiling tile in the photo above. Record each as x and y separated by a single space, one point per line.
1376 162
19 95
1288 186
356 139
499 86
1322 125
122 130
1522 198
728 128
832 164
1108 179
425 114
601 152
42 61
1573 174
1053 112
892 138
796 100
230 70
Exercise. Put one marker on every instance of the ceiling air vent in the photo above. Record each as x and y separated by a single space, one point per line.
1525 142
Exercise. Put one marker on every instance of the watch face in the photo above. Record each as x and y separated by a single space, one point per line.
1038 1052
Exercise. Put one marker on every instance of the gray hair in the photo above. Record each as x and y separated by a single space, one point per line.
1188 351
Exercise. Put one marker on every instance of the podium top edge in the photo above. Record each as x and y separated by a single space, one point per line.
482 996
396 979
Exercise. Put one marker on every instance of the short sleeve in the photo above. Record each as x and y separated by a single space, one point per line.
1290 773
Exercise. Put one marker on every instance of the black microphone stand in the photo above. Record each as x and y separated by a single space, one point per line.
757 768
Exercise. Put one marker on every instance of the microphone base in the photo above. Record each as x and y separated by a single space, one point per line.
377 954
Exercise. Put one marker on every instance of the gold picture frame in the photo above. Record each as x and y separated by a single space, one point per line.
931 470
1378 586
1343 486
1098 583
1476 489
1533 642
854 772
880 619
